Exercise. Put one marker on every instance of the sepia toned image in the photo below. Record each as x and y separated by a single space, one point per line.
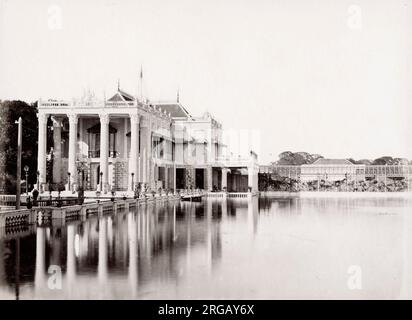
205 150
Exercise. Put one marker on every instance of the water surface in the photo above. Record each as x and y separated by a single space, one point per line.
238 249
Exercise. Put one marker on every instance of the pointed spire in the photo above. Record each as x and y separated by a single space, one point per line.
177 98
118 84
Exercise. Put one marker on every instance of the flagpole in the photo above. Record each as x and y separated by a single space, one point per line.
141 83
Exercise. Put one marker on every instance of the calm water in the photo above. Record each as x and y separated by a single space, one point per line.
259 249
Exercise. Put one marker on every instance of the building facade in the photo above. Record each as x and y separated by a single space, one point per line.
124 143
338 170
332 170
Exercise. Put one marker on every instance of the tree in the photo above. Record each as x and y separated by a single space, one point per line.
297 158
10 111
364 161
383 160
400 161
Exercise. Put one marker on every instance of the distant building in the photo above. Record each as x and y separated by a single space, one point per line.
332 170
338 170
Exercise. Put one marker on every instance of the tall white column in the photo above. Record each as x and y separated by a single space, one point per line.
209 174
174 178
224 179
150 163
134 150
144 165
72 147
104 149
41 155
143 152
57 149
146 153
250 178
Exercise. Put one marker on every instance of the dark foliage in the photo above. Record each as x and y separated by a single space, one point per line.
10 111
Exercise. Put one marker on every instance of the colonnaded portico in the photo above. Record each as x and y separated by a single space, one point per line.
124 143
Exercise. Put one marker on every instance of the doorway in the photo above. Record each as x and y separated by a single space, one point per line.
200 179
180 178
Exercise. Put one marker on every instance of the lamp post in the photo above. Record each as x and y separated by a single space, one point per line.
26 170
132 181
68 178
81 166
101 181
18 173
38 180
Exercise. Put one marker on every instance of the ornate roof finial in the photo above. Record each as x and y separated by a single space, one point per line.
118 84
177 98
141 82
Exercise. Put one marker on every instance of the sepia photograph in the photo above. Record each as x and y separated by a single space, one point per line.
207 151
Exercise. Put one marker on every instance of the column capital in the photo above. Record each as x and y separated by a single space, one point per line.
104 118
134 118
42 117
73 118
57 121
145 122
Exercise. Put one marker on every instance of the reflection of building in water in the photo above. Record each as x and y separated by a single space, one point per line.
154 243
102 261
17 260
71 260
40 278
253 214
132 231
169 246
3 283
268 204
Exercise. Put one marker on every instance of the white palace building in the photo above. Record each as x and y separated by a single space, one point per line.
124 143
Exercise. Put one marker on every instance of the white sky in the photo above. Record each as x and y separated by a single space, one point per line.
310 75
